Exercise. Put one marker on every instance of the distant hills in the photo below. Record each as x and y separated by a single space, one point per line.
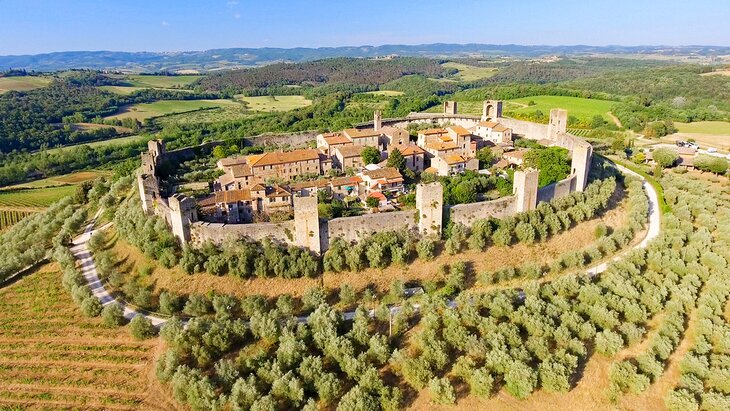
217 59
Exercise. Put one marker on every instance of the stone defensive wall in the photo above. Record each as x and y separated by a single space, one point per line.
307 230
355 228
201 232
468 213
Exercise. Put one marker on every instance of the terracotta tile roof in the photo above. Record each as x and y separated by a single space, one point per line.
488 124
379 196
502 164
353 133
258 187
395 132
500 128
226 179
282 157
454 159
231 161
459 130
389 173
241 170
310 184
431 131
226 197
277 191
516 154
350 151
207 201
407 149
336 139
441 146
346 181
432 170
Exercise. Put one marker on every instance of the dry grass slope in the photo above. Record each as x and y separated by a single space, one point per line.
52 357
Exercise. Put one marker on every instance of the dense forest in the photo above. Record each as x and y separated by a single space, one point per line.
331 71
32 119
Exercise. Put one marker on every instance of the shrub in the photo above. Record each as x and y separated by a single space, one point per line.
426 249
142 328
441 391
314 297
113 315
198 305
608 343
91 306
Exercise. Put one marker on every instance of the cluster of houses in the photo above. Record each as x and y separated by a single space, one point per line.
262 184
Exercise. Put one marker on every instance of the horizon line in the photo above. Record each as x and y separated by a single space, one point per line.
369 46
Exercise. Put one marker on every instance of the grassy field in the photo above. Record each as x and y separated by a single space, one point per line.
579 107
387 93
102 143
275 103
705 127
66 179
34 197
121 90
160 81
23 83
471 73
205 116
160 108
53 357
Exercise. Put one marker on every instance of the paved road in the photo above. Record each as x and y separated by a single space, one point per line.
82 253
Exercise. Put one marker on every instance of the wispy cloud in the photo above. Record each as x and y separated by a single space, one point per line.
232 3
237 15
164 23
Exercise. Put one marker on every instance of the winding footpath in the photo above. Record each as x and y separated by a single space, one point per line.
85 259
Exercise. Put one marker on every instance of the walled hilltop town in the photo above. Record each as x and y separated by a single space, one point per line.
255 188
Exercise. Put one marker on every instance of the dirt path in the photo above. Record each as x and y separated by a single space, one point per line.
615 119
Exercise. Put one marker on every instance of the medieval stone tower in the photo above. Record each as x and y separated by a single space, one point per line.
558 123
306 223
491 110
450 108
377 120
147 183
430 203
525 189
581 164
182 213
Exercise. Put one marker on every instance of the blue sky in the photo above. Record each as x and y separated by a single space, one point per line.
37 26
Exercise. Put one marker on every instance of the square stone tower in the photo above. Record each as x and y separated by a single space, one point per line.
430 205
525 189
558 123
491 110
182 213
306 223
450 107
377 120
581 164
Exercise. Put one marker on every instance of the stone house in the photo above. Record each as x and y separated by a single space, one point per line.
345 187
237 177
451 164
328 142
493 132
382 180
349 156
415 156
366 137
515 157
285 165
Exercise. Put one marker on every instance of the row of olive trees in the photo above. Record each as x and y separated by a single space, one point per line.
538 225
25 243
400 247
704 381
247 259
275 362
538 337
606 245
